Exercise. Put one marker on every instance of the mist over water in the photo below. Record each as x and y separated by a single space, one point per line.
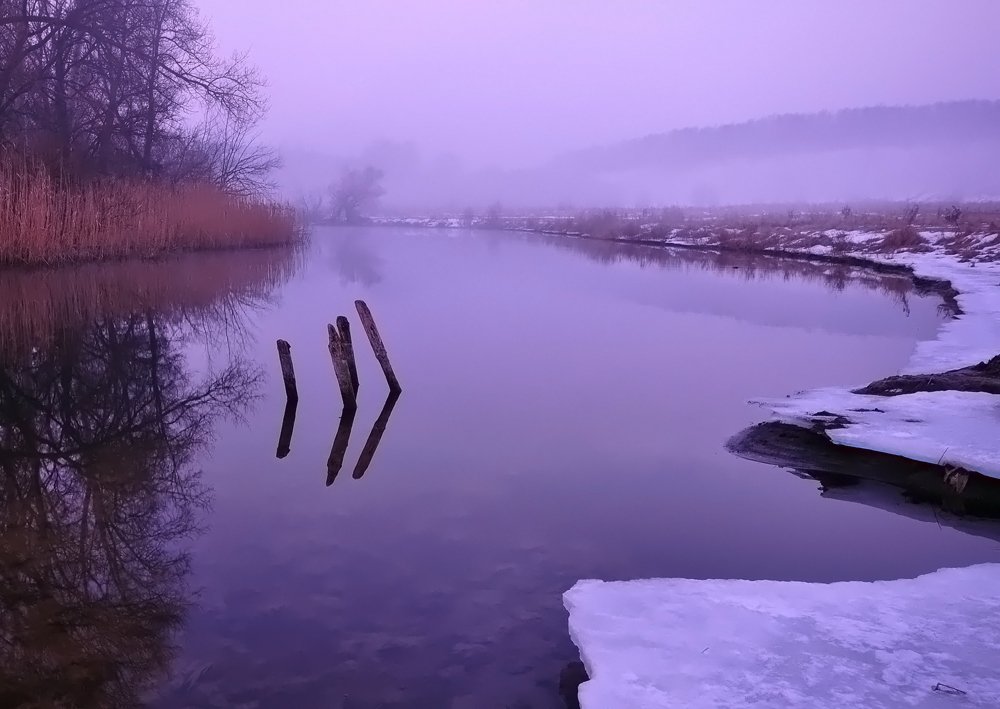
465 104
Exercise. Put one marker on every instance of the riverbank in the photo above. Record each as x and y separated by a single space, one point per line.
44 221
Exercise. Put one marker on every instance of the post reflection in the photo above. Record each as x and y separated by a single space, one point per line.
340 442
287 427
342 439
375 437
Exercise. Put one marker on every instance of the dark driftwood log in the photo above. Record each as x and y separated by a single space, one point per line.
336 460
984 377
344 330
375 437
813 454
341 368
287 371
287 426
368 322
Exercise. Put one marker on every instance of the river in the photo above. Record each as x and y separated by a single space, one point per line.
564 412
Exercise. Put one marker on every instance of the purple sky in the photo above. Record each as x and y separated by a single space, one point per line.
515 81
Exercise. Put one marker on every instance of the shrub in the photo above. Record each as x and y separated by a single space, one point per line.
905 238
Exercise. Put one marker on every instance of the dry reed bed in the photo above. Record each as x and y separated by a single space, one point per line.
43 221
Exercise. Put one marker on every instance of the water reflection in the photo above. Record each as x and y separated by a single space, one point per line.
356 260
375 437
210 294
342 440
894 284
908 487
287 427
101 427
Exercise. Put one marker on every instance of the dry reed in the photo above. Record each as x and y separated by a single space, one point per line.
45 221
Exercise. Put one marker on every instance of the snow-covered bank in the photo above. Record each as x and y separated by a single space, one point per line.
926 642
971 337
943 427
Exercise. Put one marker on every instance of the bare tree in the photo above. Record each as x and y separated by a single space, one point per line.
104 87
355 191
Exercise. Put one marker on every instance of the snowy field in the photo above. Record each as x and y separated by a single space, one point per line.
927 642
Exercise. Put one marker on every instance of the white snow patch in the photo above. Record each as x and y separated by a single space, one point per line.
940 427
972 337
697 644
947 427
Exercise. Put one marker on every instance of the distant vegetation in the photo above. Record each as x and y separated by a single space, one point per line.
98 156
356 191
869 128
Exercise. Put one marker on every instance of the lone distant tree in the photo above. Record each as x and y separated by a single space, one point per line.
494 215
355 191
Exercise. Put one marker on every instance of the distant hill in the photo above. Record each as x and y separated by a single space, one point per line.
940 124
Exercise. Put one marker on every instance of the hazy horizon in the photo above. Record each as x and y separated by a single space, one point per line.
514 83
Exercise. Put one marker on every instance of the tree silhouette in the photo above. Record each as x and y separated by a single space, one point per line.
98 491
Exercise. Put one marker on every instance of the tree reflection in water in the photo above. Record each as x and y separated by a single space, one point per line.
100 427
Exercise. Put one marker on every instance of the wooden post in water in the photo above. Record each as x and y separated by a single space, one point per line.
287 426
287 371
344 330
341 369
368 322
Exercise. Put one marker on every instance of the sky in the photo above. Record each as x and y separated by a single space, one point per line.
513 82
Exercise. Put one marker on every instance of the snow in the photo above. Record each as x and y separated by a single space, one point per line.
975 335
926 642
947 427
941 427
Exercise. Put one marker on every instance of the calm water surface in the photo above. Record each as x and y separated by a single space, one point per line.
564 411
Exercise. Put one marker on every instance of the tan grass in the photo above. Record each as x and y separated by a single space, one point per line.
44 221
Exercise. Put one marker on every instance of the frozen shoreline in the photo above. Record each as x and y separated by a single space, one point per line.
944 427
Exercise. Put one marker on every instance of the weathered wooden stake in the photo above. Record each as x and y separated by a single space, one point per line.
336 460
344 330
341 369
287 371
375 437
368 322
287 426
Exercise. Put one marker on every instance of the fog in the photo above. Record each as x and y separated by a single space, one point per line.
474 102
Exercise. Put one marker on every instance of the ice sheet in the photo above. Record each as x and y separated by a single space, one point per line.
698 644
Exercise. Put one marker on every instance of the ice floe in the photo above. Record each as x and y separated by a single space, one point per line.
926 642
